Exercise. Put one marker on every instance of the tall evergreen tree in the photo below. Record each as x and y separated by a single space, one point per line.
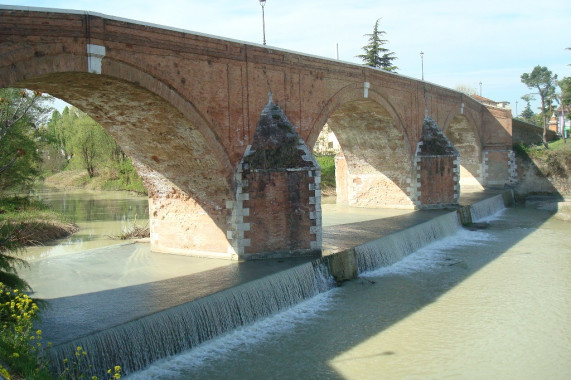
375 54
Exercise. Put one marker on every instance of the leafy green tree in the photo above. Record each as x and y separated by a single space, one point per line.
544 81
375 54
83 143
22 114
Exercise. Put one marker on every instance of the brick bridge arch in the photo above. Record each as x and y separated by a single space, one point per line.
375 167
154 126
189 110
462 132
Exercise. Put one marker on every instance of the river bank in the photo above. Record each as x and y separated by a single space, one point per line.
29 222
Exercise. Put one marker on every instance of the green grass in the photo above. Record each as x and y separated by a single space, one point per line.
24 209
327 164
25 221
559 146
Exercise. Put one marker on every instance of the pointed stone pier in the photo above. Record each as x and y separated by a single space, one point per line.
277 211
437 169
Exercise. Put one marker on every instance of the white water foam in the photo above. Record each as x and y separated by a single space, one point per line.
432 256
393 248
488 209
138 343
238 340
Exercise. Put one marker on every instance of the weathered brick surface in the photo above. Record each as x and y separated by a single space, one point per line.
437 181
462 134
185 106
279 212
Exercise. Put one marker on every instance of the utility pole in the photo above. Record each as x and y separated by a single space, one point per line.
263 4
422 64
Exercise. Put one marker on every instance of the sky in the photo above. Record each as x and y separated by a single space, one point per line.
465 43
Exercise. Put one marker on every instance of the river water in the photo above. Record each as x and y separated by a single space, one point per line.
489 304
100 215
492 303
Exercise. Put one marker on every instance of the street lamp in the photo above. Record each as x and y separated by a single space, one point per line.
422 64
263 4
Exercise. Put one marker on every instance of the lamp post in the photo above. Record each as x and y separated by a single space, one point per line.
480 88
263 4
422 64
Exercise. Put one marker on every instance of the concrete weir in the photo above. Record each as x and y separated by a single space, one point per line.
387 250
166 323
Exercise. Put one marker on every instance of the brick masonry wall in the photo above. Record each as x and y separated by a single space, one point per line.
498 163
280 213
525 133
438 181
186 105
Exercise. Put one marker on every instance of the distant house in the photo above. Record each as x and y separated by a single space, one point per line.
326 143
493 103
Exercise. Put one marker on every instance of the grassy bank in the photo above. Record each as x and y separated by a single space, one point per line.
327 164
30 222
552 166
106 180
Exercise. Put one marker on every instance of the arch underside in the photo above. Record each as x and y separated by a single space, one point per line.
462 135
187 186
377 165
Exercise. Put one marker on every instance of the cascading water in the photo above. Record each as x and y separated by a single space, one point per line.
488 207
138 343
392 248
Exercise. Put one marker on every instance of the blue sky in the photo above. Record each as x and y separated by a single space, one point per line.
464 42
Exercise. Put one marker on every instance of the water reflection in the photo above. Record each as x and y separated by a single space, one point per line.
99 215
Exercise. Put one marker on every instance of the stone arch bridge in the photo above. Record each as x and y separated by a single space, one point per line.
185 107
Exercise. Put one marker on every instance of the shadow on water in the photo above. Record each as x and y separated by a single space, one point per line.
73 317
313 348
96 311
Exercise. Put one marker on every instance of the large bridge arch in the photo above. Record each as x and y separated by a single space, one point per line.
461 130
375 166
186 170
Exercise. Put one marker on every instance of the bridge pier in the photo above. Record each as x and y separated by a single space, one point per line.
499 167
180 224
277 207
437 166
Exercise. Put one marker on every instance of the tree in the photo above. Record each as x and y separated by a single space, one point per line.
527 114
542 80
375 54
22 114
468 90
565 98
